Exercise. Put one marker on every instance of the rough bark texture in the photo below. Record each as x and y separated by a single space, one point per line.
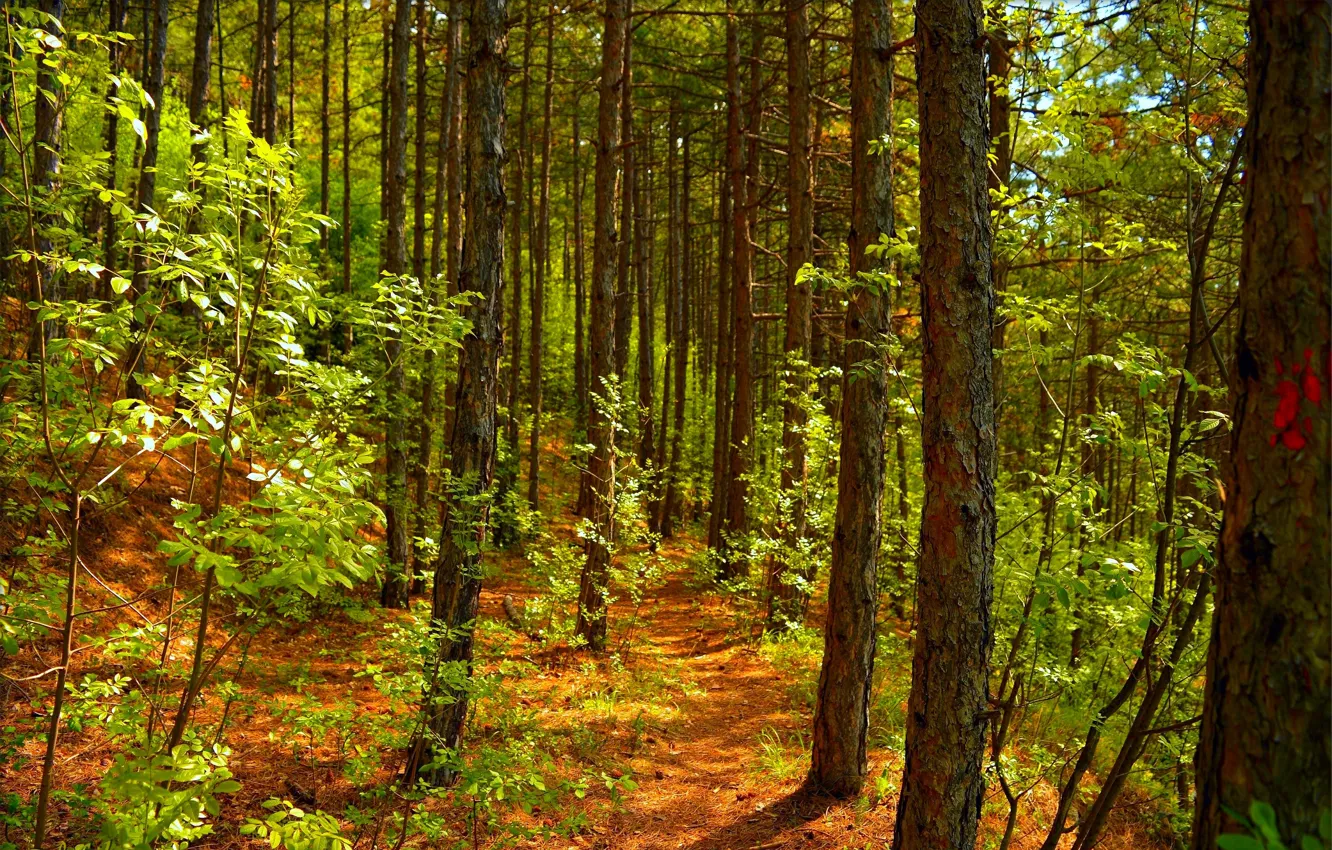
393 594
344 232
841 718
1266 713
200 67
473 442
591 625
785 600
647 426
942 787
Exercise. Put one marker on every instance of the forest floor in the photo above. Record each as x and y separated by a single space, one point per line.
707 719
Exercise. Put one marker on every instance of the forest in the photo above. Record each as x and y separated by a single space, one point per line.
666 424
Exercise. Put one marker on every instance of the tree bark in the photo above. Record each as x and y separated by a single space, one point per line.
345 230
514 337
473 443
1266 715
785 600
542 243
393 593
742 282
841 719
679 344
942 787
591 623
624 303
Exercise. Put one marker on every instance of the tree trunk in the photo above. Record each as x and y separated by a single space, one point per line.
841 719
48 126
473 444
453 176
942 785
624 305
425 435
542 242
325 128
514 337
679 344
786 600
1266 715
345 230
154 87
742 281
393 594
580 295
591 624
721 429
647 430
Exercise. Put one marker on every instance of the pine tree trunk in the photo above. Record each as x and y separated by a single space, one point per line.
591 623
1266 715
580 295
841 718
542 243
453 177
393 593
742 281
325 128
473 443
679 342
624 301
146 196
344 232
425 434
786 601
647 426
514 335
942 786
721 428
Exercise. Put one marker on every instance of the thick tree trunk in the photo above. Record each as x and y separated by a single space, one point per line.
785 600
841 719
473 444
393 593
1266 714
542 243
942 787
591 624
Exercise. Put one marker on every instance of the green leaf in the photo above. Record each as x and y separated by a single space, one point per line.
1235 841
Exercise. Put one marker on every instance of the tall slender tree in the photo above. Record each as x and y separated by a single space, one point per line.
742 282
473 444
1266 715
542 264
942 786
785 599
393 594
841 718
591 622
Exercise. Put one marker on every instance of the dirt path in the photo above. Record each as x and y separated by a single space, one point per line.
704 781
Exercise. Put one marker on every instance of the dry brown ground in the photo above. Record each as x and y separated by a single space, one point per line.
701 693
